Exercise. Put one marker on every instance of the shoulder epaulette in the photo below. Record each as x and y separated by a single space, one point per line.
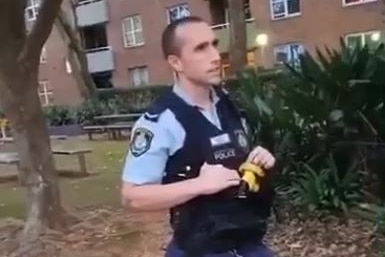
154 111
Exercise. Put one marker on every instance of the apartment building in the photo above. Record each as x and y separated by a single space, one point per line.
122 37
292 26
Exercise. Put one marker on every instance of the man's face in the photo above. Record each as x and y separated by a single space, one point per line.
198 59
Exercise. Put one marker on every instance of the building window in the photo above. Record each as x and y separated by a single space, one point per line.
177 12
284 8
138 76
45 92
31 11
43 55
133 31
288 53
354 2
68 66
370 38
220 12
94 37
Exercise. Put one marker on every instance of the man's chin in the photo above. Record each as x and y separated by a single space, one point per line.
215 81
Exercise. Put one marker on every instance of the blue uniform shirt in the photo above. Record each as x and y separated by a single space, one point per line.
154 141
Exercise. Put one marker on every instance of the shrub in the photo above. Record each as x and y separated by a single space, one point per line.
325 106
107 101
327 188
60 115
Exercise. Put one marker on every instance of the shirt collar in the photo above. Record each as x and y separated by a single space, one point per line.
178 90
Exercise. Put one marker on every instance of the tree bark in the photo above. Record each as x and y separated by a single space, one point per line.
238 47
75 54
19 66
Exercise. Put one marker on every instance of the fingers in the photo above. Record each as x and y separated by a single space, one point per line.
233 181
261 157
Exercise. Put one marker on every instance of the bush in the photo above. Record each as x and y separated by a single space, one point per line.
107 101
325 106
133 99
327 188
60 115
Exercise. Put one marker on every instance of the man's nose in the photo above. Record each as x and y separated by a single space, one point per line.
215 55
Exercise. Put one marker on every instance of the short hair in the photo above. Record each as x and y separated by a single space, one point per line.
170 45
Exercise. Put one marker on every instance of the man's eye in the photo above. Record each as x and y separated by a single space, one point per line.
201 47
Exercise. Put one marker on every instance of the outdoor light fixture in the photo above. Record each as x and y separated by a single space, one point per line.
375 36
261 39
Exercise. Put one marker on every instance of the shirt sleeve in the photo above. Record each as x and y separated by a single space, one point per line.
151 144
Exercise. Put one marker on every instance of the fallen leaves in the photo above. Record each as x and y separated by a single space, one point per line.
333 237
113 233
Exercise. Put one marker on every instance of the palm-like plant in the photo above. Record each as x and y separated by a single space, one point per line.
343 89
309 111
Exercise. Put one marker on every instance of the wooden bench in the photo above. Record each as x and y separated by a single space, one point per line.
113 130
94 129
80 153
9 158
53 137
13 157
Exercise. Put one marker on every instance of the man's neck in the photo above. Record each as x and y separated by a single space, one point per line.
199 94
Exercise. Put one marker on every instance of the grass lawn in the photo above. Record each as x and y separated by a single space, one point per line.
106 160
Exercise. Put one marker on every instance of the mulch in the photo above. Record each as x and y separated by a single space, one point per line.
114 232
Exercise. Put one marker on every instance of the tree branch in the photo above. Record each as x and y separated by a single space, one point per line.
41 30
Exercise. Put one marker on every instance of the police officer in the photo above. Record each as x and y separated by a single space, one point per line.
185 152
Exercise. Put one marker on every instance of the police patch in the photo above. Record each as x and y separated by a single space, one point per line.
141 141
242 140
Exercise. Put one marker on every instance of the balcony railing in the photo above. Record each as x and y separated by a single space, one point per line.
100 59
91 12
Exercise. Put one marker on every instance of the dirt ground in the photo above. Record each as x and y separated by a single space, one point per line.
106 230
115 233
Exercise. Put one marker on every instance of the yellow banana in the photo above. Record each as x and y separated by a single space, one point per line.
255 187
249 178
248 166
251 175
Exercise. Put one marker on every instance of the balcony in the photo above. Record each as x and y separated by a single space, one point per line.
222 32
91 12
100 59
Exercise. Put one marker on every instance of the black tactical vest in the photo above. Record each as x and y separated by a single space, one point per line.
219 222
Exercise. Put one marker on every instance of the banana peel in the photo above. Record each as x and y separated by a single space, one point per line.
251 176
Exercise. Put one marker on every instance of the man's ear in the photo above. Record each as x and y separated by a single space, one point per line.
175 63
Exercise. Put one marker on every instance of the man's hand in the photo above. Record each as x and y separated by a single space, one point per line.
214 178
261 157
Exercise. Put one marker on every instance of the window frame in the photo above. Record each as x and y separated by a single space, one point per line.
43 55
359 2
287 46
125 32
362 34
176 6
45 93
134 68
35 5
286 14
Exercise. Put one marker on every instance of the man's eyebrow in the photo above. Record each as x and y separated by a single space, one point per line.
205 44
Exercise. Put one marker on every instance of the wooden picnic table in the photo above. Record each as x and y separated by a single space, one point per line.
113 129
53 137
118 116
13 157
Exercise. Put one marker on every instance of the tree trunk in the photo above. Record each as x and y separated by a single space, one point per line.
75 54
19 66
238 47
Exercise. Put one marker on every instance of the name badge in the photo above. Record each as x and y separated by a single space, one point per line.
220 140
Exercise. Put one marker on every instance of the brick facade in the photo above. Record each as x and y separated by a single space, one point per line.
320 23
